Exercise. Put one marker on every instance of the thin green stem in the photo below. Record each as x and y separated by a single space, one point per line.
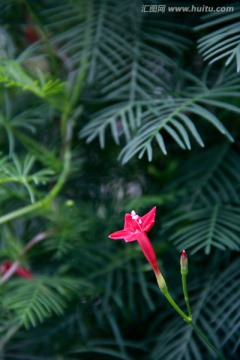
205 339
175 306
188 319
63 176
185 292
20 212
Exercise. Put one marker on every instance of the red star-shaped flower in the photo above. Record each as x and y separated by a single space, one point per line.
135 228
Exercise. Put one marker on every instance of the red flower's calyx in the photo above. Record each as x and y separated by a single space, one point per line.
161 283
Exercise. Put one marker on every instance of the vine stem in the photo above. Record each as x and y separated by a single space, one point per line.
205 339
185 292
188 320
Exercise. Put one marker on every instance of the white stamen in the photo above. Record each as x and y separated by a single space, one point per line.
134 215
139 221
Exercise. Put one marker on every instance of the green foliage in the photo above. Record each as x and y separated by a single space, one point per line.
212 176
80 73
13 75
34 300
145 122
17 171
209 212
224 41
214 226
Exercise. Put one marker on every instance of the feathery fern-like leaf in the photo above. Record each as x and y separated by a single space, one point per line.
211 177
17 171
13 75
204 228
34 300
223 42
110 43
223 306
168 116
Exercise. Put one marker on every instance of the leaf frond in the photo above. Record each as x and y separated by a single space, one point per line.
223 43
206 227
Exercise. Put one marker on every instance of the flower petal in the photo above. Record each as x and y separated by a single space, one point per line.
148 220
126 235
130 223
117 235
